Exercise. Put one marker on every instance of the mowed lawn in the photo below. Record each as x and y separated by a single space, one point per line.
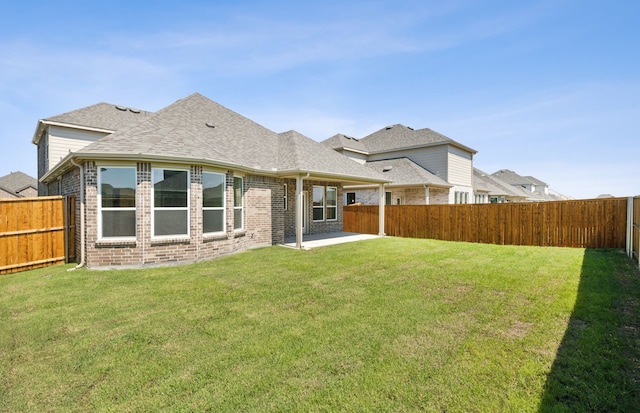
382 325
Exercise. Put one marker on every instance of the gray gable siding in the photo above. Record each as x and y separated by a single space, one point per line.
460 167
433 158
64 140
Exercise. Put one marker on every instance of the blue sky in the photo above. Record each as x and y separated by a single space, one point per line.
545 88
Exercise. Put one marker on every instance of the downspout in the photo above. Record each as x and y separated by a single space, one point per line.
82 250
381 205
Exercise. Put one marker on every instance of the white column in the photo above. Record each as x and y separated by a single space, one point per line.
381 210
299 212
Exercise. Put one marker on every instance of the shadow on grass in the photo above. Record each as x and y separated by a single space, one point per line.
597 367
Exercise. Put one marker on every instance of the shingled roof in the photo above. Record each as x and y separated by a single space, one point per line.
403 171
197 130
103 116
16 182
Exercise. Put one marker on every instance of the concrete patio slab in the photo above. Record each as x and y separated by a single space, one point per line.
310 241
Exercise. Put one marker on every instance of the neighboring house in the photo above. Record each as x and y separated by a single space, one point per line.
424 166
192 181
489 189
18 185
535 188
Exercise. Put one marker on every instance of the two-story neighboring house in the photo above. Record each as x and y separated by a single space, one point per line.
423 166
535 189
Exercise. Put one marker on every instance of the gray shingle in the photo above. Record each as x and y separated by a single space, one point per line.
399 136
297 152
403 171
198 129
102 116
16 182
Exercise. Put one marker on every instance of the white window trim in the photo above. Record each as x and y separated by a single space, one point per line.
153 207
241 207
101 208
224 204
327 206
324 204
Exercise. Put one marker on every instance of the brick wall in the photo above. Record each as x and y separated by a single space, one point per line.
314 227
262 211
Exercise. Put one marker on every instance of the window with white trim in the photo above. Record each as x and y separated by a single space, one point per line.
170 202
238 202
318 203
213 202
117 202
332 203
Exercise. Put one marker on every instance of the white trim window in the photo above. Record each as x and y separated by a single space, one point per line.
170 202
117 202
213 202
318 203
332 203
238 203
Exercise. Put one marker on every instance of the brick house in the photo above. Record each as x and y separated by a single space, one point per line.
192 181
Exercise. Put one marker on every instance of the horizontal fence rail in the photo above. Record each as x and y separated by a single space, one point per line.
597 223
33 232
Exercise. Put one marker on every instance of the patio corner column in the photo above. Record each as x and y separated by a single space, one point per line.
381 200
299 211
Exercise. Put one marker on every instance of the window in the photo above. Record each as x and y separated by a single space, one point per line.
238 182
387 198
318 203
117 202
351 198
332 203
170 202
285 204
213 200
461 197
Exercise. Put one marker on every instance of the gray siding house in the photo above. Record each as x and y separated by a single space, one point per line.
423 166
192 181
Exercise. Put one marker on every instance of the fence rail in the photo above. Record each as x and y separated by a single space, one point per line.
35 232
597 223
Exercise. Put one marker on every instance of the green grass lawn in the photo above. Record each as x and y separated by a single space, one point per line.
383 325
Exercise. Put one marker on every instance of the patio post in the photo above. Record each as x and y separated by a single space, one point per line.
299 211
381 201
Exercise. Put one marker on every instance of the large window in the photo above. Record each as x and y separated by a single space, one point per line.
170 202
332 203
238 201
117 202
213 201
318 203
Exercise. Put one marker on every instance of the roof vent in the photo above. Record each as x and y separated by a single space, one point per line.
409 127
387 168
122 108
134 110
388 127
210 125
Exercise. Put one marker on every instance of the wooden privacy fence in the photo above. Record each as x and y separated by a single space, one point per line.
596 223
36 232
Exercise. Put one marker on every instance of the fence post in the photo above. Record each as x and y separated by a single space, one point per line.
630 227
